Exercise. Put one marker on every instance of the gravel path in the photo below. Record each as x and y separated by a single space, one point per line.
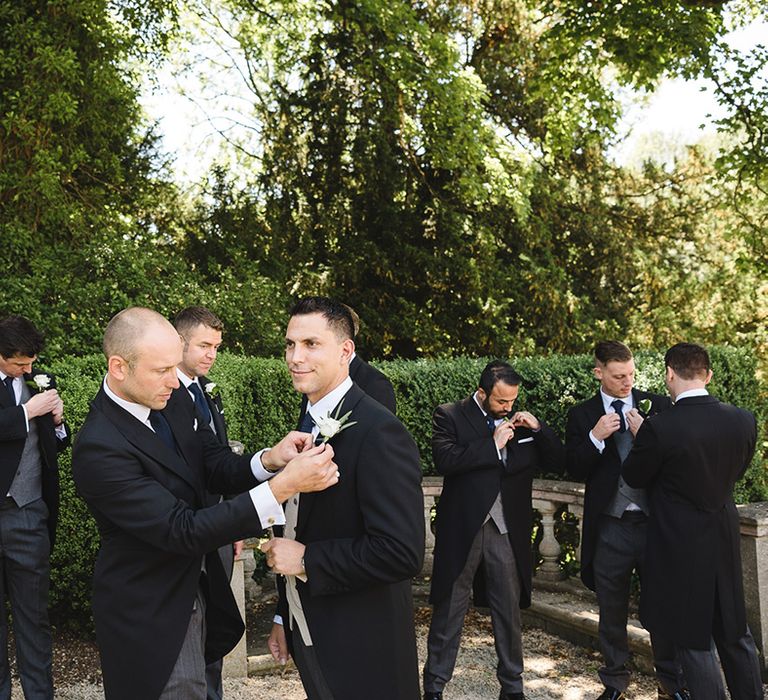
554 669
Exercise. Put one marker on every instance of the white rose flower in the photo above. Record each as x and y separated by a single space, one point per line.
43 381
328 426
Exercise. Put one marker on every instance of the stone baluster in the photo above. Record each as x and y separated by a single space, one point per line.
549 548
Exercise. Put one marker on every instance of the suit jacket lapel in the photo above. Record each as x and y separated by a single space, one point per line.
144 439
351 399
475 416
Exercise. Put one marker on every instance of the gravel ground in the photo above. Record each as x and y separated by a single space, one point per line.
554 669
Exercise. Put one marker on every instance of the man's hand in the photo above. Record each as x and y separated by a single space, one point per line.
634 420
523 419
608 424
44 402
284 451
312 470
504 432
58 413
278 647
284 556
237 548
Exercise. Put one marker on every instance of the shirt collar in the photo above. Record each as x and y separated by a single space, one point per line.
137 410
185 380
691 393
484 412
325 405
608 401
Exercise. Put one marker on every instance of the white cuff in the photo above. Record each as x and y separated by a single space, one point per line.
278 619
599 444
269 510
61 431
257 468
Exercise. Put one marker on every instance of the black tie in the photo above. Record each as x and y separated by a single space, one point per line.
618 406
160 425
8 381
200 402
491 423
307 423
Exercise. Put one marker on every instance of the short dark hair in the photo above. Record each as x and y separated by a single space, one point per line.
194 316
335 313
689 360
19 337
612 351
497 371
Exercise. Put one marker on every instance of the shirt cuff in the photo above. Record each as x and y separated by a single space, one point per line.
61 431
599 444
278 619
268 509
257 468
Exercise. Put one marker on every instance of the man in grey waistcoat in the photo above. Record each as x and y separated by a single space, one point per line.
32 431
599 436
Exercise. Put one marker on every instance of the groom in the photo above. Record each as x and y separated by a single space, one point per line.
349 554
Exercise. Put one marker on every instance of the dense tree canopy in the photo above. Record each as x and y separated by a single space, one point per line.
443 167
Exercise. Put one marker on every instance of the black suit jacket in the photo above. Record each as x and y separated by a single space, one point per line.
600 472
466 456
690 457
13 435
217 411
148 503
365 541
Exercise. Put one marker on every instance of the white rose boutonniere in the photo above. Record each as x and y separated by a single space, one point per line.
212 389
40 382
644 406
332 425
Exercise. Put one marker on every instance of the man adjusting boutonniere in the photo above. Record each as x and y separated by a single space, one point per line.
348 555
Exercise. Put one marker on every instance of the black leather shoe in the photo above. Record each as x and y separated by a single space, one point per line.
679 695
434 696
612 694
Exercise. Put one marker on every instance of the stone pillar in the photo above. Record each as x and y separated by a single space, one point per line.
754 565
549 548
236 662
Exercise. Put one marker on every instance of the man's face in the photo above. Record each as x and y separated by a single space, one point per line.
151 377
200 348
501 399
616 378
317 358
16 365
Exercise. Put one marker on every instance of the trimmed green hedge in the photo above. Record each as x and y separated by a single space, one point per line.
260 406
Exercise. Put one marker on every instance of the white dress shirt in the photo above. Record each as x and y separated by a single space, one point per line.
608 408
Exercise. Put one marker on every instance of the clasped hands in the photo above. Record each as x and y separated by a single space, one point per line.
505 431
609 423
47 401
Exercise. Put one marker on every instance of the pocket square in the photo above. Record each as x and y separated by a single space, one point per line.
528 439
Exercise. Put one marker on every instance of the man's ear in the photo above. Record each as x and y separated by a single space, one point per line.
481 395
117 367
598 372
709 378
347 350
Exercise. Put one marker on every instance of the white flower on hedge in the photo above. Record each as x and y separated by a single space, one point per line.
42 381
332 425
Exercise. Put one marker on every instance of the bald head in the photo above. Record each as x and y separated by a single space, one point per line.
128 330
142 350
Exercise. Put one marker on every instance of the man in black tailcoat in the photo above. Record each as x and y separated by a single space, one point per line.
32 431
144 463
348 554
488 457
689 458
